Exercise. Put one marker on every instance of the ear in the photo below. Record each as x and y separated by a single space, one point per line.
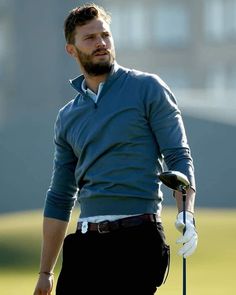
70 49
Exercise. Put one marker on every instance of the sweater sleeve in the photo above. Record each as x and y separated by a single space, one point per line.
167 125
61 195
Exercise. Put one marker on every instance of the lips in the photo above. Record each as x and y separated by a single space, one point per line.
101 53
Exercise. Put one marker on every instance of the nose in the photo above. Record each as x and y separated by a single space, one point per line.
100 42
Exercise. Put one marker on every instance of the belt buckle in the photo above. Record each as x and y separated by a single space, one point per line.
103 227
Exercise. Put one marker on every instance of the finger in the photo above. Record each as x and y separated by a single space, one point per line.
186 247
190 251
189 234
180 226
189 247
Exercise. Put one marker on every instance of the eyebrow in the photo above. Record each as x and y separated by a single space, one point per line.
89 35
93 34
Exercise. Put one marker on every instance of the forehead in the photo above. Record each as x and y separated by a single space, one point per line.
93 27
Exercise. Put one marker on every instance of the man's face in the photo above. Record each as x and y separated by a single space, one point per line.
94 47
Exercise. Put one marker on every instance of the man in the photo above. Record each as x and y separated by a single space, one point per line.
110 143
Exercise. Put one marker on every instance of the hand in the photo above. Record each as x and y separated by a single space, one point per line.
190 237
44 285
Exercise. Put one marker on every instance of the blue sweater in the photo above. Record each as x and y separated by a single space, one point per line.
108 154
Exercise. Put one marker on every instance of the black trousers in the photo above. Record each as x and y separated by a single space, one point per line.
128 261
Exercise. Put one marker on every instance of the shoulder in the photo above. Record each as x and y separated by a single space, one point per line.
150 81
66 110
64 115
151 86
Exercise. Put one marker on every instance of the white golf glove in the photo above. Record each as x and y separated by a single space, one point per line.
190 237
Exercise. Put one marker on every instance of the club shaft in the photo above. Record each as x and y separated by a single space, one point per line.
184 276
184 259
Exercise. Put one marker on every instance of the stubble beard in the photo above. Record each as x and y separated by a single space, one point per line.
95 69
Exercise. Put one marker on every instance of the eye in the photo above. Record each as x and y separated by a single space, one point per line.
106 34
89 38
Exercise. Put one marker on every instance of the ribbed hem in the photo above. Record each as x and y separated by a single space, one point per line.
117 206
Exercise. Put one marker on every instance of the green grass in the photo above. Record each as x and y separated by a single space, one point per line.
210 271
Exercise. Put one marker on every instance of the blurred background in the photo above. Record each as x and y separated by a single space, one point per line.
190 44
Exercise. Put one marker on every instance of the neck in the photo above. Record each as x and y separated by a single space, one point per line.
93 82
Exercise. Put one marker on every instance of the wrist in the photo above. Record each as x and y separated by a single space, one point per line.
189 217
188 214
47 273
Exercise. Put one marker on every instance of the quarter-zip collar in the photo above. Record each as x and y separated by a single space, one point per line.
116 71
90 93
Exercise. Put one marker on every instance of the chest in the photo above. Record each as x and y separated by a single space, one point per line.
115 120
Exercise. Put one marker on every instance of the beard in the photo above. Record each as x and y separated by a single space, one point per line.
96 68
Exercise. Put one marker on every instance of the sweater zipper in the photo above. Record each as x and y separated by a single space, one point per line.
90 98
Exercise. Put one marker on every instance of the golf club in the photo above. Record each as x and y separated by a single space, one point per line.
178 182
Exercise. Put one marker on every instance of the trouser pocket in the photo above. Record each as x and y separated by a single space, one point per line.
163 256
164 265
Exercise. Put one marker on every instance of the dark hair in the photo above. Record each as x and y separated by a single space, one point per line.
80 16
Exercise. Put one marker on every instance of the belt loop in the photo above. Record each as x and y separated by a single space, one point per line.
155 217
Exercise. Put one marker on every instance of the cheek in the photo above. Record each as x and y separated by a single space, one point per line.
113 50
110 44
84 50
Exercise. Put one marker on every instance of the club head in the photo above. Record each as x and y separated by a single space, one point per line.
175 180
